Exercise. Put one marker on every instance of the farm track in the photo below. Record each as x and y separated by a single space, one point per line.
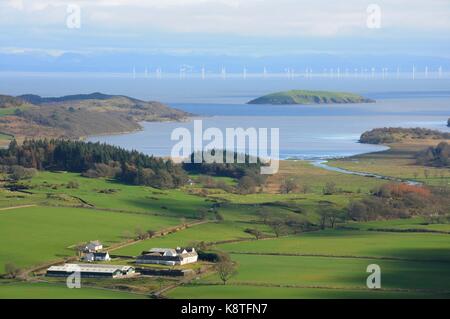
17 207
160 293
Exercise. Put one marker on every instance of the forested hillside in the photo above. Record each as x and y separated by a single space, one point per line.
94 160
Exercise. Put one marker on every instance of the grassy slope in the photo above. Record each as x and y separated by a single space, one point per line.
256 292
127 197
419 279
53 291
343 273
354 243
402 224
34 235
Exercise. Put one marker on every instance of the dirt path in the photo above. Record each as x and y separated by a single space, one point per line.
17 207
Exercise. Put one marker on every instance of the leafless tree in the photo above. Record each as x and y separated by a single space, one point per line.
278 228
12 270
225 269
288 186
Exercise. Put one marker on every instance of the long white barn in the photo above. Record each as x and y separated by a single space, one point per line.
91 270
168 256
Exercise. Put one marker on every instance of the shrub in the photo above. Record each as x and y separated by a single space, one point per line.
246 185
73 184
12 271
330 188
19 172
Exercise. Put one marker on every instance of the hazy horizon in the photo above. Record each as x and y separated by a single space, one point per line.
191 35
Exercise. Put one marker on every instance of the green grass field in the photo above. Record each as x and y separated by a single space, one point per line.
210 232
263 274
59 291
124 197
340 273
35 235
415 262
417 223
8 111
257 292
415 246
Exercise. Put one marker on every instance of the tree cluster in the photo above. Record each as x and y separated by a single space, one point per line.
400 201
438 156
94 160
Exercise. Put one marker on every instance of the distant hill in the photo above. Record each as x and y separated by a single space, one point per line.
76 116
310 97
36 99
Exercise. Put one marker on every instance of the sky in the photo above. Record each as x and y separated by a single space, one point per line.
234 28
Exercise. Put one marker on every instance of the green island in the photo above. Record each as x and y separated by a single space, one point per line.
310 97
305 232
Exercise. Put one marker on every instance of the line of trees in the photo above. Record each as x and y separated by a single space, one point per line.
248 173
94 160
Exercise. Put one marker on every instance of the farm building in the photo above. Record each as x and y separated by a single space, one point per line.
168 256
91 271
93 246
97 256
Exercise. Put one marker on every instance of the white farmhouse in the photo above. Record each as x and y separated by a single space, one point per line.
97 256
93 246
168 256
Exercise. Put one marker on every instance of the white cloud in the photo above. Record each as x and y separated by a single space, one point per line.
242 17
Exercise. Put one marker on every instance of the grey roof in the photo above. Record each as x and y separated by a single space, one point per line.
158 254
90 268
